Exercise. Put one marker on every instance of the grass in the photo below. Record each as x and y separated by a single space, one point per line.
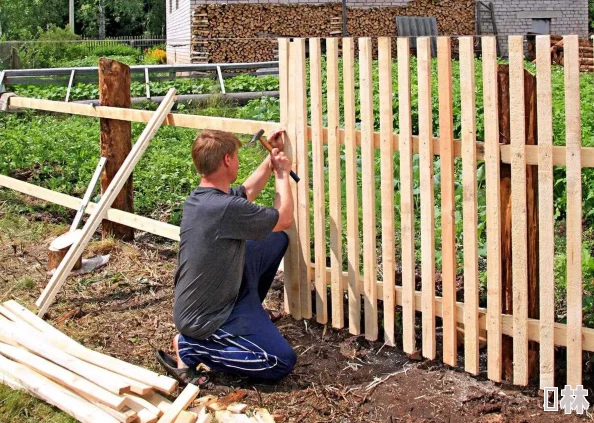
18 407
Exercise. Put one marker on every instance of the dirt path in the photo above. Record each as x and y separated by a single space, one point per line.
125 308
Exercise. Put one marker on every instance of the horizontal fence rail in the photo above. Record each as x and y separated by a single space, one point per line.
359 279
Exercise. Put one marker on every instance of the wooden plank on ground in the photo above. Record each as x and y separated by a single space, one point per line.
38 344
448 205
334 182
293 287
54 394
518 207
406 197
469 205
62 272
574 211
427 197
303 172
184 399
387 186
319 187
163 383
352 202
545 208
494 349
368 182
61 375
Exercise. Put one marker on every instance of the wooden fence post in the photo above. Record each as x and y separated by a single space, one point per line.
532 215
116 142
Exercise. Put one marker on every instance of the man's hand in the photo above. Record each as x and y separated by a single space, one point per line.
276 139
280 162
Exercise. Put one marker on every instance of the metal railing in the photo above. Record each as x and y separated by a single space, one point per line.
138 72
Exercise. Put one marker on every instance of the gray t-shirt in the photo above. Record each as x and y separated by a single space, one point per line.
214 228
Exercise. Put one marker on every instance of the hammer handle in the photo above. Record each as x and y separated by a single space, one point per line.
268 147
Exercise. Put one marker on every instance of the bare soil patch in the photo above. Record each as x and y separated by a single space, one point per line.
125 309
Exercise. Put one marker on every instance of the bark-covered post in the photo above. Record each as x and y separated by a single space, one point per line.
532 215
116 139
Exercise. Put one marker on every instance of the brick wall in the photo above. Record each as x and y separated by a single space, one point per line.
514 17
179 30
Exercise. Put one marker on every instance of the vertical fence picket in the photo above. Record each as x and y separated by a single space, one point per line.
387 185
319 200
448 206
352 202
427 197
292 286
334 183
406 196
546 218
469 206
519 224
303 170
368 183
492 160
574 210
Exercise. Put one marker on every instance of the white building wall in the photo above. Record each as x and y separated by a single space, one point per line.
179 30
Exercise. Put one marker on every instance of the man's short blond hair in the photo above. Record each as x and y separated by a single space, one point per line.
210 147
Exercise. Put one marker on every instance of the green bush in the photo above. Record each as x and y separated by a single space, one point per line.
94 60
52 47
120 49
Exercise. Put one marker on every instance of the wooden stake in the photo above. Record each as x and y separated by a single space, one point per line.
427 198
107 199
352 202
334 182
470 207
546 216
319 188
448 205
574 212
116 140
367 165
406 197
518 205
492 163
387 186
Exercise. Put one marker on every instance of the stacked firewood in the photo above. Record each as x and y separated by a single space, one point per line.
247 32
92 387
586 53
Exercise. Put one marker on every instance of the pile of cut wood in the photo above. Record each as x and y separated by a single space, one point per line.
558 55
92 387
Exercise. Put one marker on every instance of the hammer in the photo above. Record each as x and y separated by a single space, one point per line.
267 146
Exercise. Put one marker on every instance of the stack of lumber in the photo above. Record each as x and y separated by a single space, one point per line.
92 387
586 53
235 30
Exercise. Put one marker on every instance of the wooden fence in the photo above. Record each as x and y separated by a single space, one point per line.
345 146
501 321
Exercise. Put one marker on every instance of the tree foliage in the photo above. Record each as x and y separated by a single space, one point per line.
26 19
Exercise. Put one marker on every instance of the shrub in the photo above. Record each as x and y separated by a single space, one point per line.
53 46
108 50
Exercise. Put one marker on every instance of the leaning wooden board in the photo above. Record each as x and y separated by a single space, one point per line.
56 282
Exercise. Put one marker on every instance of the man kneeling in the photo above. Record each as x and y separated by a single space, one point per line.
229 252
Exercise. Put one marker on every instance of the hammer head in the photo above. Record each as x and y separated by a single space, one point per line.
257 136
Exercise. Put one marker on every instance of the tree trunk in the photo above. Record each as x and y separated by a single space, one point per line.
101 23
116 143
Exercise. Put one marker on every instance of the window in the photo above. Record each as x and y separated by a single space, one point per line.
176 4
170 6
541 26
